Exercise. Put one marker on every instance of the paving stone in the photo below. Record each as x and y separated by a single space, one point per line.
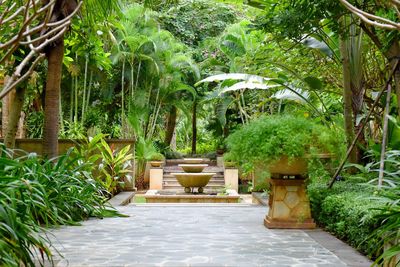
188 236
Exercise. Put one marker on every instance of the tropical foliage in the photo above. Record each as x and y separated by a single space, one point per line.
36 193
183 77
109 166
270 137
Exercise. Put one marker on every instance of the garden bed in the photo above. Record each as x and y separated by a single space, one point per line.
344 212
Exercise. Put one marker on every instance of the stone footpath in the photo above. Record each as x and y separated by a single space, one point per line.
193 235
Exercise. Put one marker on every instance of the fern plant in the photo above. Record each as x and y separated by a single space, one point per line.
268 138
35 193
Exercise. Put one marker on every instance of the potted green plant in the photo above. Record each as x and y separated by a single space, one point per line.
282 143
229 161
156 160
220 146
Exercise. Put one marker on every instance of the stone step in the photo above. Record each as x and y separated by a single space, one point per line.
179 187
218 181
214 178
168 175
206 169
218 176
210 183
175 162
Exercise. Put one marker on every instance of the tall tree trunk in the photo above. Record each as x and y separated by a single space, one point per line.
355 50
16 99
171 123
123 91
5 110
173 142
194 127
347 96
55 56
21 131
391 52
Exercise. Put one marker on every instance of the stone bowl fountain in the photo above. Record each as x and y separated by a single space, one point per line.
191 180
193 160
193 168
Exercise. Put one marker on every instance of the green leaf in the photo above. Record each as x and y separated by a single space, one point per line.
232 46
234 76
313 82
221 109
313 43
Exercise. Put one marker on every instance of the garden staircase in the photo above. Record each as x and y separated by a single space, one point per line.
171 166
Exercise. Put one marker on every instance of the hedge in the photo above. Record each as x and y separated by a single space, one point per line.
346 212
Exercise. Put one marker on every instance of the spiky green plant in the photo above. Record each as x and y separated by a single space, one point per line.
35 193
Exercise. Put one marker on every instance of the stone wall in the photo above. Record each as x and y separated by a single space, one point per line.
36 146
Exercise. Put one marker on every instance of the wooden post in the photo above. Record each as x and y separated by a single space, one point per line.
384 137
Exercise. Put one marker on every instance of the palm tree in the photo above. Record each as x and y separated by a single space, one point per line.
55 54
133 51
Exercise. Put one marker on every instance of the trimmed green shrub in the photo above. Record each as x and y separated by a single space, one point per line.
344 211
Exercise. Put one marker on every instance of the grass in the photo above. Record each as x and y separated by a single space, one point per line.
139 199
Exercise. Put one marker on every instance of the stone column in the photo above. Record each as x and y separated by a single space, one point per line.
231 177
156 178
220 161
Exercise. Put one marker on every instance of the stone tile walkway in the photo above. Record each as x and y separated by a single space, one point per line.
204 235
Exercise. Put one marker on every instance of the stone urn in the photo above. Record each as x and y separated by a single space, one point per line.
156 163
288 167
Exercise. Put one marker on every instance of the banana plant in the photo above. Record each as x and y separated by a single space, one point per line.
249 81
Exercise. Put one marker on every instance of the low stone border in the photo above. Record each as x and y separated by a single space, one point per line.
153 196
122 199
260 199
346 253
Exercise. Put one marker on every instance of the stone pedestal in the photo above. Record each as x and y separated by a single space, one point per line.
156 178
289 205
231 176
220 161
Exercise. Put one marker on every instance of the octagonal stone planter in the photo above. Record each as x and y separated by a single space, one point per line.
286 166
